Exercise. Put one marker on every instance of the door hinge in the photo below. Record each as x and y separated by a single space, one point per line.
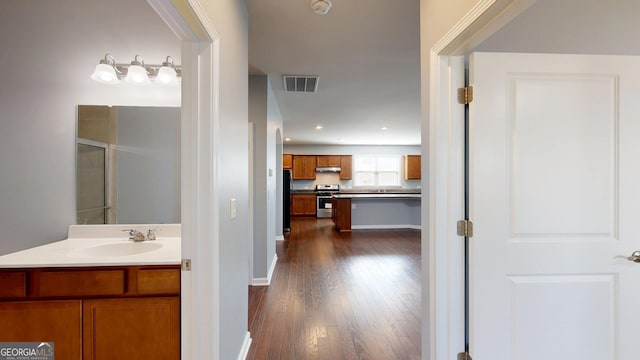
465 228
465 95
464 356
186 264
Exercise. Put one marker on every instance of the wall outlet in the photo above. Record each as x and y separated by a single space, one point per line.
353 206
233 208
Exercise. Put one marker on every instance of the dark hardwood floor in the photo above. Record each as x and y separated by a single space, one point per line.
339 296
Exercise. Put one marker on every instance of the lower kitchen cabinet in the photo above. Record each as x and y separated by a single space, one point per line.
57 321
303 205
138 328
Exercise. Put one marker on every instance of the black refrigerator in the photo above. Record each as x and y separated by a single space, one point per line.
286 200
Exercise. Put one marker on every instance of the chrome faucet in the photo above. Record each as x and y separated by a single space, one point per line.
135 235
151 234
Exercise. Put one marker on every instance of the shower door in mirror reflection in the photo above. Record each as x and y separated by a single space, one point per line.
128 165
91 202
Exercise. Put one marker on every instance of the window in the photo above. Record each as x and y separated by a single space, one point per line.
380 170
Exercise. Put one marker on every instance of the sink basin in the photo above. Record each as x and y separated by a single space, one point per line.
113 250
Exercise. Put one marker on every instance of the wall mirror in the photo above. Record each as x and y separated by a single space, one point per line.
127 165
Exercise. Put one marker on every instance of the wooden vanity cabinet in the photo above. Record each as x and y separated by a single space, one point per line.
111 312
57 321
132 329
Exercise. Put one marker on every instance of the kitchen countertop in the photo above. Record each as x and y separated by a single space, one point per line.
377 195
101 247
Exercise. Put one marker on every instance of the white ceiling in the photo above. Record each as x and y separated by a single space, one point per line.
367 54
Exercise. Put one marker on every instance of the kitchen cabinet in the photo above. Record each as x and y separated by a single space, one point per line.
328 160
412 167
345 167
341 214
287 161
304 167
109 312
303 205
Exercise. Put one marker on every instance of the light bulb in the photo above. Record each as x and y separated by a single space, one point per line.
105 74
137 74
167 76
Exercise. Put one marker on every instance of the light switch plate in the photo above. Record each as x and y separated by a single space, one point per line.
233 206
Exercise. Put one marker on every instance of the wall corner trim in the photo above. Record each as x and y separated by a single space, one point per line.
266 281
246 345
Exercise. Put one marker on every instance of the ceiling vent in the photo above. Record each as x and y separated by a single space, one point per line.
302 83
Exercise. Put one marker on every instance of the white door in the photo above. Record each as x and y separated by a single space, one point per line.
555 201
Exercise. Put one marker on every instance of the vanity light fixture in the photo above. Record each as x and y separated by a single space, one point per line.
106 71
318 127
137 72
384 128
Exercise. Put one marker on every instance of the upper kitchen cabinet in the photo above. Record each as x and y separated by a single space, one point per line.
304 167
328 160
287 161
412 167
345 167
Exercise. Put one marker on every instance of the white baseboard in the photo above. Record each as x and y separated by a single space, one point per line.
382 227
246 344
266 281
280 238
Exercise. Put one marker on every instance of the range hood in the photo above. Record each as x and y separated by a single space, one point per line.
327 169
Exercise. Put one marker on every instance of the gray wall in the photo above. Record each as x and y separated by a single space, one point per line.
50 50
265 115
230 19
378 213
148 165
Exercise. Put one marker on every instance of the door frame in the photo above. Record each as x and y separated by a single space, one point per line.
200 138
443 275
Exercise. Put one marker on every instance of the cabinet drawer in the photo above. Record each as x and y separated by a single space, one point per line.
81 283
14 284
159 281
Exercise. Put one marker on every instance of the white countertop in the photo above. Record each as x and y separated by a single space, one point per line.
99 245
378 196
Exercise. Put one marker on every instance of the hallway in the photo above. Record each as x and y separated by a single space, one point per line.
339 296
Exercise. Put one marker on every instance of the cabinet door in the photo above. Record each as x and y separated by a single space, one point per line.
303 205
287 161
132 329
310 167
328 160
310 205
59 322
412 167
345 167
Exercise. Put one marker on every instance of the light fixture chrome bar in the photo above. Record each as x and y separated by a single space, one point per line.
110 72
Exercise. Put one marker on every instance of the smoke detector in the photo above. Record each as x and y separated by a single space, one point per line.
321 7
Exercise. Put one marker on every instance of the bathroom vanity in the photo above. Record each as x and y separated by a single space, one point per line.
96 297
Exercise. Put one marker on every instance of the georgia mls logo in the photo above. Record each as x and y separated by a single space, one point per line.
26 351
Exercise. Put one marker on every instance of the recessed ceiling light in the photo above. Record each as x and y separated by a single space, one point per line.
384 127
318 127
287 139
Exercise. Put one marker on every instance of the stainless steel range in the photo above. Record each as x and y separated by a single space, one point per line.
323 199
